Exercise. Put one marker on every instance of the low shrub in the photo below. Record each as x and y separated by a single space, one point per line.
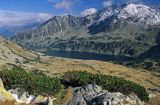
111 83
31 82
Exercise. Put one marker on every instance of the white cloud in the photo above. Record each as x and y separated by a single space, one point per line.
107 3
65 4
10 18
88 11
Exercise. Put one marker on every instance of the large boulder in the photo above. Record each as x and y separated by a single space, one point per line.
85 95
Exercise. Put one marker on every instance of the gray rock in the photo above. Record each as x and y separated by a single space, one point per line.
86 94
90 91
94 95
77 99
104 99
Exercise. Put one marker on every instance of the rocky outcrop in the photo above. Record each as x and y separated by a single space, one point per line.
77 99
94 95
91 94
20 96
4 94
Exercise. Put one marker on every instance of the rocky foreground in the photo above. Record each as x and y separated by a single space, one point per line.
94 95
91 94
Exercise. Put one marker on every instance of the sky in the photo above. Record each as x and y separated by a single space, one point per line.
19 12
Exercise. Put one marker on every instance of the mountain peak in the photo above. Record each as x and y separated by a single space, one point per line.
140 13
133 12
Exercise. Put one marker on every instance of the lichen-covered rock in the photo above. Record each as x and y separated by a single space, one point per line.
4 94
40 99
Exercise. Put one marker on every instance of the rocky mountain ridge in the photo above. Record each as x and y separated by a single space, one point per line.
108 31
133 12
130 12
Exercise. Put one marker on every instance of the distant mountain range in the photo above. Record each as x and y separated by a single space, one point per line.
9 31
129 30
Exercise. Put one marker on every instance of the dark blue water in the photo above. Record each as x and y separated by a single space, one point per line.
87 56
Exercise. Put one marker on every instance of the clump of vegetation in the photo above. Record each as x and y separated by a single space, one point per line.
111 83
31 82
37 83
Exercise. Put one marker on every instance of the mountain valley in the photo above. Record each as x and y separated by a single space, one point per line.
116 30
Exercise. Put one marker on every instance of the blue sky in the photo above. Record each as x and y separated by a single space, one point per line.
49 6
22 11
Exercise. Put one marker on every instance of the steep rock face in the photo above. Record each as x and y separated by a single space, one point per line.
56 27
126 30
103 14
